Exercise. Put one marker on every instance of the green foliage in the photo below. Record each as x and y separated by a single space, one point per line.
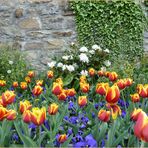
13 66
116 25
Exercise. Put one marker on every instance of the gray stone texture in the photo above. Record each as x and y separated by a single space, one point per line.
39 28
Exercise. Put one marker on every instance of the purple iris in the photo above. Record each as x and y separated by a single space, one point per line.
32 126
73 120
15 137
89 141
47 124
96 106
102 143
123 114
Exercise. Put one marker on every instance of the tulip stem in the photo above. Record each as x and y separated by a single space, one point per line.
142 144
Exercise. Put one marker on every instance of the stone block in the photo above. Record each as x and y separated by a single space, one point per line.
55 43
29 23
39 1
62 33
34 46
19 12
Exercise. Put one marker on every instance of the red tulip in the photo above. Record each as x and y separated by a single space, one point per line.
101 88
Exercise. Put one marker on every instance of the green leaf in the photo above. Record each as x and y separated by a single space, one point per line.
68 79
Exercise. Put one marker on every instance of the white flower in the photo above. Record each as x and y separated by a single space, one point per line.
107 63
83 57
107 51
84 72
71 57
10 62
70 68
60 64
83 49
64 67
103 68
51 64
91 51
8 71
96 47
72 43
65 57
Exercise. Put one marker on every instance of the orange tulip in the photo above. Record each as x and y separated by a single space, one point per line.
71 92
115 110
39 82
8 97
56 89
37 90
62 96
84 87
106 74
142 90
38 116
27 116
15 84
2 83
92 72
31 74
53 109
24 106
121 84
23 85
3 113
101 73
50 74
82 101
11 115
104 115
112 94
135 97
113 76
101 88
62 138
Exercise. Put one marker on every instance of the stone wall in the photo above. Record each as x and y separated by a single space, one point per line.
40 28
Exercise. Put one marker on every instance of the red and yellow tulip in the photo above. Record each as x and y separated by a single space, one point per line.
135 114
2 83
101 88
37 90
128 82
91 72
84 87
8 97
28 79
101 73
112 94
31 74
113 76
39 82
3 112
11 115
62 138
23 85
26 116
141 126
121 84
38 116
26 105
115 110
71 92
135 97
59 81
15 84
53 109
104 115
62 96
82 101
50 74
57 88
142 90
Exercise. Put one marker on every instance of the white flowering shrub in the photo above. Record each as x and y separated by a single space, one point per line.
12 65
78 60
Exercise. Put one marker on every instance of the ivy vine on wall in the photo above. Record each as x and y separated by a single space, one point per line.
116 25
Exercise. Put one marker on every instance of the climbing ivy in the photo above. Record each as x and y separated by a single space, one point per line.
116 25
